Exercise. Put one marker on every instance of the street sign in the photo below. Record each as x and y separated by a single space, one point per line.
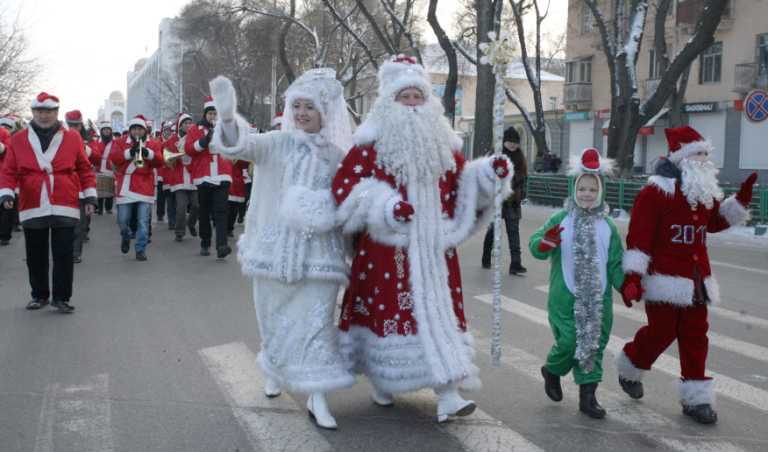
756 105
576 115
700 107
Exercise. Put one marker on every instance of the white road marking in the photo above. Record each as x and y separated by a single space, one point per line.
76 417
724 385
274 424
739 267
741 317
700 446
481 432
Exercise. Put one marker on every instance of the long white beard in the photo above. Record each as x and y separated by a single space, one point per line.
414 143
700 182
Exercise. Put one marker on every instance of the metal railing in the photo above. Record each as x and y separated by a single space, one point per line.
552 190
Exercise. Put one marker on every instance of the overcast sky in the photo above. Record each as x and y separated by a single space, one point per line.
86 47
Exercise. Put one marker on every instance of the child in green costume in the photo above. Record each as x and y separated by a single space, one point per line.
585 249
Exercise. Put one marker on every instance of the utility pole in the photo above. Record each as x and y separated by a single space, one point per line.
273 91
181 79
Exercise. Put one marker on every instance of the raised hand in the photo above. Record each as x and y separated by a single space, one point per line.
744 196
500 167
551 239
224 97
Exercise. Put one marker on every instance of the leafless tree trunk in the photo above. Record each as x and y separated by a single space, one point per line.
449 94
488 19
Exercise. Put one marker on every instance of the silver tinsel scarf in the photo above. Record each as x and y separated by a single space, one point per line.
588 304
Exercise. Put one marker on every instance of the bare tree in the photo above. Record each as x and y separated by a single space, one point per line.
621 38
452 81
488 13
17 69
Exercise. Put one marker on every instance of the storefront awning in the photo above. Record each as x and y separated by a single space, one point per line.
647 128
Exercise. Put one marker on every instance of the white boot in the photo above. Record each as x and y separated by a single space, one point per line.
450 403
319 412
271 388
382 398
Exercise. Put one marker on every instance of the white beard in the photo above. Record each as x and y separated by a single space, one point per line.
700 182
414 143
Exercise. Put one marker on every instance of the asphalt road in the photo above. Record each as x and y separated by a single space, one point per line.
160 356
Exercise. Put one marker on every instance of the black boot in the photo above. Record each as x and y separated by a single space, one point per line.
588 402
552 385
223 251
517 269
703 414
633 389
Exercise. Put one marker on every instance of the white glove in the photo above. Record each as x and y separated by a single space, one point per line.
224 98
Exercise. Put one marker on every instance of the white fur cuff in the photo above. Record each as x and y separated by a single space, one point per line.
696 392
308 210
732 210
635 261
627 370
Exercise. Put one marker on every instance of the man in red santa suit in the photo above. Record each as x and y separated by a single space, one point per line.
48 164
74 120
134 160
410 199
105 178
179 179
212 175
667 265
7 216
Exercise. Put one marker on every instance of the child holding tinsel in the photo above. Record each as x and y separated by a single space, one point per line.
585 249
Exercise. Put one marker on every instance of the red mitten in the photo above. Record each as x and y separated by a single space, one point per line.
632 289
500 167
744 196
551 239
403 212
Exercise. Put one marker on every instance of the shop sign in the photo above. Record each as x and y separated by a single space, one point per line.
700 107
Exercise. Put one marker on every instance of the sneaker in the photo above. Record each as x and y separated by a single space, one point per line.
36 304
485 264
223 251
5 242
205 251
63 306
192 231
517 269
77 259
231 234
141 256
125 246
179 238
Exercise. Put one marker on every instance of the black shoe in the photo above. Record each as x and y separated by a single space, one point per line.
141 256
99 212
205 251
223 251
109 212
86 239
633 389
179 238
231 234
125 246
486 264
160 219
5 242
588 402
17 228
192 231
63 306
36 304
240 220
552 385
77 259
703 414
517 269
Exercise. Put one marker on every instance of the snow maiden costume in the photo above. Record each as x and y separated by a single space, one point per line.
584 247
291 247
667 265
409 199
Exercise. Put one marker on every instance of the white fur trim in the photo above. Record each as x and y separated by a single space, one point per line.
696 392
575 167
308 210
47 103
395 363
366 208
300 380
732 210
676 290
237 199
137 122
90 193
49 209
635 261
665 184
627 370
366 133
237 129
6 192
389 215
689 149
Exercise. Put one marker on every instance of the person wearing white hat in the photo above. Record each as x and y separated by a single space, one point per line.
105 178
47 163
291 246
409 199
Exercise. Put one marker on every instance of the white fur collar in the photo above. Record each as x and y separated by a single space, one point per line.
665 184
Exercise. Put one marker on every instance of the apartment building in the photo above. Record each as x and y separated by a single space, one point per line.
717 101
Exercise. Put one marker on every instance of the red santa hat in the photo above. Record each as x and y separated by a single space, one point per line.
45 101
105 125
8 121
181 118
277 120
591 163
73 117
208 104
138 120
402 72
684 142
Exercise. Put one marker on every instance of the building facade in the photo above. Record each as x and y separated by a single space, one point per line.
113 110
717 101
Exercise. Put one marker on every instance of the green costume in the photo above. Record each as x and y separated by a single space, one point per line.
566 323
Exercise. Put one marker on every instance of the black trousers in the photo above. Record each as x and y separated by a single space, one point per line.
511 217
81 230
160 201
59 241
234 212
105 202
7 221
213 201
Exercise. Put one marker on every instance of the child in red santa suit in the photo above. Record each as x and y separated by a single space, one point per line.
667 265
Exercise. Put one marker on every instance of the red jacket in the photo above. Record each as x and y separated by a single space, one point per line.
179 175
667 241
237 189
135 184
206 166
5 143
103 165
49 182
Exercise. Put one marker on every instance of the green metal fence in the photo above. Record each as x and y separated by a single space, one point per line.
552 190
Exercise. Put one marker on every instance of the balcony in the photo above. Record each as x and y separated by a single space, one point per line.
650 87
578 93
745 76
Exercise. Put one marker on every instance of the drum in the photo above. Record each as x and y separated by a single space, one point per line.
105 186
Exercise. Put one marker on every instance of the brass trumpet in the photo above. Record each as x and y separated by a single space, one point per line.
170 157
138 161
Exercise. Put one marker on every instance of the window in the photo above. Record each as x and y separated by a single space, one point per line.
710 64
579 71
587 20
762 54
654 66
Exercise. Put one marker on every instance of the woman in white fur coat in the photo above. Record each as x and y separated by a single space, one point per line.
290 246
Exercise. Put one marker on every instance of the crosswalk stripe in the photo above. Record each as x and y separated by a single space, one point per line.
277 424
700 446
78 415
743 348
739 267
620 407
724 385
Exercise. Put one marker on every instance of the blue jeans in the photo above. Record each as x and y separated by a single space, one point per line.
124 214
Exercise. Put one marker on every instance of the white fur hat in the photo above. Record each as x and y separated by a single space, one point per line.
401 72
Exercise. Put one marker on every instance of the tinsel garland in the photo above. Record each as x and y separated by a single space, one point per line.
588 304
